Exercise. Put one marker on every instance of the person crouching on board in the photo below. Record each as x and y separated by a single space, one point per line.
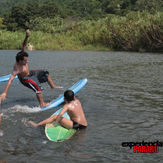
74 109
30 79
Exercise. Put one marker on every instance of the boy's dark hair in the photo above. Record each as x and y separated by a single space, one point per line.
69 95
21 55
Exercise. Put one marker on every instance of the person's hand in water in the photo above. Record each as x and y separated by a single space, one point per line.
33 123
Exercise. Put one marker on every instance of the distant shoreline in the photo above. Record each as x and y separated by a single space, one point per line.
132 33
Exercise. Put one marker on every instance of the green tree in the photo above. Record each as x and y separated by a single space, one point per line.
1 23
85 8
49 10
16 19
21 15
151 6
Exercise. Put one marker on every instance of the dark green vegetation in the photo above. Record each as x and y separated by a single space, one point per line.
130 25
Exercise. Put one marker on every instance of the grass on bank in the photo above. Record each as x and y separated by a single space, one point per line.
133 32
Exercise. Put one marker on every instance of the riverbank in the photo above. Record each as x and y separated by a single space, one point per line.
133 32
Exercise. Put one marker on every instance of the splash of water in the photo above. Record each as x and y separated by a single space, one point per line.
1 132
24 109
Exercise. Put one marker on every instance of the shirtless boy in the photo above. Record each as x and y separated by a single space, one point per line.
30 79
73 108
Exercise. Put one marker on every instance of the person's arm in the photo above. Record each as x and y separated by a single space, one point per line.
4 94
60 115
50 119
25 40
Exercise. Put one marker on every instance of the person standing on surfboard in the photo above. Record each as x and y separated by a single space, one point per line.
30 79
74 109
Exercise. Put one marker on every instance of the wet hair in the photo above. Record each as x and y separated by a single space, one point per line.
69 95
20 56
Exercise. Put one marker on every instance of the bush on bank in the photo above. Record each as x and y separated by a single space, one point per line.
137 31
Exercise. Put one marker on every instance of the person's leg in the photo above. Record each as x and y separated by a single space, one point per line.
67 123
41 100
51 83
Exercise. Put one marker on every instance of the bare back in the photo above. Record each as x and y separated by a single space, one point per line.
76 112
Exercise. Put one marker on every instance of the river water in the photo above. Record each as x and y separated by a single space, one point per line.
123 102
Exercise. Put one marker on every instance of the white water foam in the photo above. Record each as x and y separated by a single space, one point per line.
24 109
1 133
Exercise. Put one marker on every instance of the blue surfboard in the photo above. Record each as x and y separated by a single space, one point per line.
75 88
5 78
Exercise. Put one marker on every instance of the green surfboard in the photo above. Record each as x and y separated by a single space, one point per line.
59 133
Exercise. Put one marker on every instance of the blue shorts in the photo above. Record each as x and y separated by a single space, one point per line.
34 79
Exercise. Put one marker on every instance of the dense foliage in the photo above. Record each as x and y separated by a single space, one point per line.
23 12
115 24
